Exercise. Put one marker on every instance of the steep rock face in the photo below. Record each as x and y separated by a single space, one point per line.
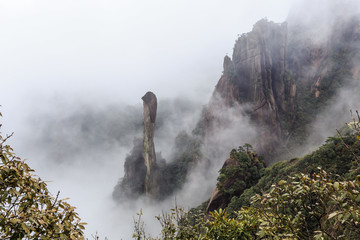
255 79
281 78
283 86
319 68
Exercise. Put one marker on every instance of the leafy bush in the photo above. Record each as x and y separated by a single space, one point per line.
308 207
302 207
243 171
218 225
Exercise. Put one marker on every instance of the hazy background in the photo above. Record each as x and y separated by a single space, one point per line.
73 73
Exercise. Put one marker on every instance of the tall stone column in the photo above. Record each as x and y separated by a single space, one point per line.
150 108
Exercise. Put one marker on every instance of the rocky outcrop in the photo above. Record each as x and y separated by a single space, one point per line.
142 175
280 78
218 198
147 173
153 176
150 108
240 171
132 185
255 79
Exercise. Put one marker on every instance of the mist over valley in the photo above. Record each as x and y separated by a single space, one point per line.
242 95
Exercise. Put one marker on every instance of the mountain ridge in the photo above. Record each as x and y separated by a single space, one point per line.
279 80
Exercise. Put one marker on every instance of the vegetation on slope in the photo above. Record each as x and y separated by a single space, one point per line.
335 157
240 171
302 207
234 179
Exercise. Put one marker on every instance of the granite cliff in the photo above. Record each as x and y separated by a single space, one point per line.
254 81
280 79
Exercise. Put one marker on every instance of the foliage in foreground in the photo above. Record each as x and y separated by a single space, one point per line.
301 207
310 207
339 156
27 209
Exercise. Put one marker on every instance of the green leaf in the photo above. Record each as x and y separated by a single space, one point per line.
336 185
26 229
357 198
15 220
331 215
281 182
347 216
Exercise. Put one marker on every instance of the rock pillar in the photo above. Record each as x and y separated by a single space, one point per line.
150 108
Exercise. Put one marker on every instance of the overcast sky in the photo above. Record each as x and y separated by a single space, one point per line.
118 50
101 52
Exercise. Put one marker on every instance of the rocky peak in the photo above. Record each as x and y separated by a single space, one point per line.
256 76
142 175
280 76
228 65
150 108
